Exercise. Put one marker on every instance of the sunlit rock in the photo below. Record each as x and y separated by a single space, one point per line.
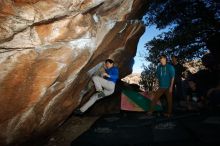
46 49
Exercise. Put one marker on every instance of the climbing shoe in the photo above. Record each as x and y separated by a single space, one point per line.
101 94
78 112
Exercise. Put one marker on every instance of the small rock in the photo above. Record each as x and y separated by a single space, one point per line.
52 139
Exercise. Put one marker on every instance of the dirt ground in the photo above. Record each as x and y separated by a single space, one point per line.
70 130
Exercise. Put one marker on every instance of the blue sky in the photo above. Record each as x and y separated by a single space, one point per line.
150 33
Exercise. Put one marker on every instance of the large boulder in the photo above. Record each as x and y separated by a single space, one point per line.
46 50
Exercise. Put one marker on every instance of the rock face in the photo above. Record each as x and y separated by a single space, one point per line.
46 49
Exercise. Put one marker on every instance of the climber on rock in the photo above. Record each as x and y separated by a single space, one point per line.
104 85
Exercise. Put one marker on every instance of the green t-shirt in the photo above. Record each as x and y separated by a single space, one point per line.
165 74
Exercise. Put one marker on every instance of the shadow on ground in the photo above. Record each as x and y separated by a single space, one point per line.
137 129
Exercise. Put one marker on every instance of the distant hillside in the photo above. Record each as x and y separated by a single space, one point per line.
132 78
192 66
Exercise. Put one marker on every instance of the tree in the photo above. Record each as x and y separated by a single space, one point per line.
148 77
192 22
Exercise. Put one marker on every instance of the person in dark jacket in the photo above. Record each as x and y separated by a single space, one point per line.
178 83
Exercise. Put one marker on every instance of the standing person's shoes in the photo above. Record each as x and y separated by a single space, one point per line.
167 115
